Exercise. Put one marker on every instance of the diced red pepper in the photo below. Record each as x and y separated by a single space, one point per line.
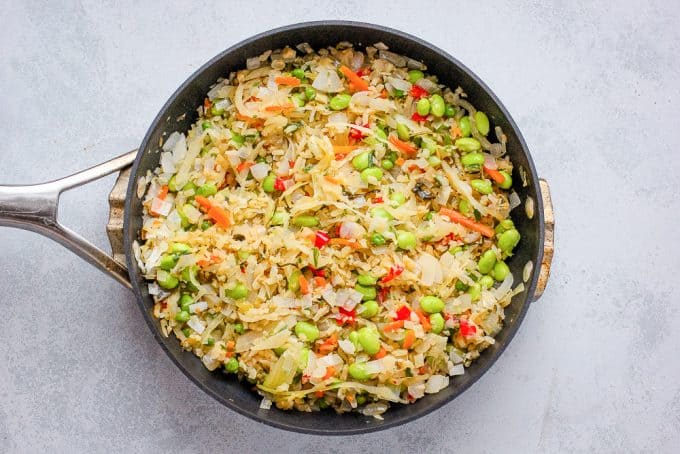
321 239
318 272
363 72
378 200
340 156
395 271
279 184
356 133
346 316
417 117
418 92
291 163
467 329
383 293
403 313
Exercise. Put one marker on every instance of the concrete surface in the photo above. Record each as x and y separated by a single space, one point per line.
594 88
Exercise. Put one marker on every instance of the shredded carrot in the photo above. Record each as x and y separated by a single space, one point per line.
244 166
318 394
400 161
328 345
207 104
287 80
330 371
409 339
230 345
319 281
333 180
466 222
203 263
403 146
424 320
456 132
163 193
203 202
344 148
495 175
381 353
254 122
383 94
393 326
277 108
304 285
357 83
345 242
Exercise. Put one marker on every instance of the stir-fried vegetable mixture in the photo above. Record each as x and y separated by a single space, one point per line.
334 229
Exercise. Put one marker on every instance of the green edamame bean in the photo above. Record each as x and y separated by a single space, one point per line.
354 338
472 162
380 134
359 371
172 185
406 240
186 331
482 186
268 183
306 331
166 280
310 93
237 292
231 366
243 255
428 144
482 122
369 339
460 286
455 250
279 218
431 304
339 102
423 106
304 358
507 180
500 271
238 139
468 144
381 212
369 293
464 207
367 175
185 301
450 111
188 276
428 216
367 279
215 111
168 261
182 316
377 239
415 75
486 262
437 322
437 105
305 221
362 161
299 100
180 248
206 224
207 190
238 328
505 224
369 309
434 161
402 131
486 282
299 73
206 125
475 291
361 399
398 198
508 240
465 127
387 164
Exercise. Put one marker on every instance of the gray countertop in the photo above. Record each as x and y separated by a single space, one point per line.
594 89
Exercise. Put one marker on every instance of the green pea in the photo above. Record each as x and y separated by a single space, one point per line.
209 342
299 100
188 276
306 331
279 218
392 156
380 133
437 322
505 224
475 291
215 111
450 111
310 93
168 261
190 186
500 271
206 125
367 280
294 281
380 212
186 332
460 286
472 162
361 399
268 183
455 250
354 338
406 240
508 240
415 75
464 207
387 164
185 301
237 292
172 185
166 280
206 224
486 262
359 371
305 221
362 160
238 328
482 122
398 198
323 404
231 366
339 102
299 73
428 216
431 304
182 316
402 131
369 339
423 106
438 106
507 180
207 190
482 186
369 293
486 282
434 161
377 239
369 309
468 144
465 127
238 139
180 248
243 255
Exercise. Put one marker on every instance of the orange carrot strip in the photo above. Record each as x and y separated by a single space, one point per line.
495 175
163 193
381 353
220 216
330 371
458 218
287 80
424 320
320 281
318 394
333 180
345 242
393 326
400 161
230 345
383 94
403 146
244 165
344 148
203 202
456 131
328 345
409 339
358 84
304 285
279 108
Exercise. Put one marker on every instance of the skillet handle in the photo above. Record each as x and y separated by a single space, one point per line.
548 243
35 207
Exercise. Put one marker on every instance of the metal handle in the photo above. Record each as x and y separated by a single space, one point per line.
548 242
34 207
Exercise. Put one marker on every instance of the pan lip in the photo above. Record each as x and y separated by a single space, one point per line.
223 399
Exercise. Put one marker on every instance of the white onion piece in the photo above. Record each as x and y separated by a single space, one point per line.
196 324
417 391
395 59
357 60
399 84
253 63
350 229
457 369
360 98
191 213
337 117
430 270
490 162
428 85
171 141
529 207
436 383
528 269
327 80
347 346
198 307
265 404
505 287
514 200
260 170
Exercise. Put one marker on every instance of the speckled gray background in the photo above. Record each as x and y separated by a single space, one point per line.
594 88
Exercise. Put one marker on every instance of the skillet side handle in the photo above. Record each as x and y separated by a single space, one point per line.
35 207
548 244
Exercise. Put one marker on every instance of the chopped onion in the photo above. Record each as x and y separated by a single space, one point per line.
347 346
185 261
196 324
327 80
337 117
529 207
191 213
154 288
428 85
430 270
399 84
253 63
348 298
260 170
265 404
396 59
275 341
350 229
416 391
514 200
357 60
171 141
436 383
505 287
457 369
198 307
161 207
490 162
528 269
